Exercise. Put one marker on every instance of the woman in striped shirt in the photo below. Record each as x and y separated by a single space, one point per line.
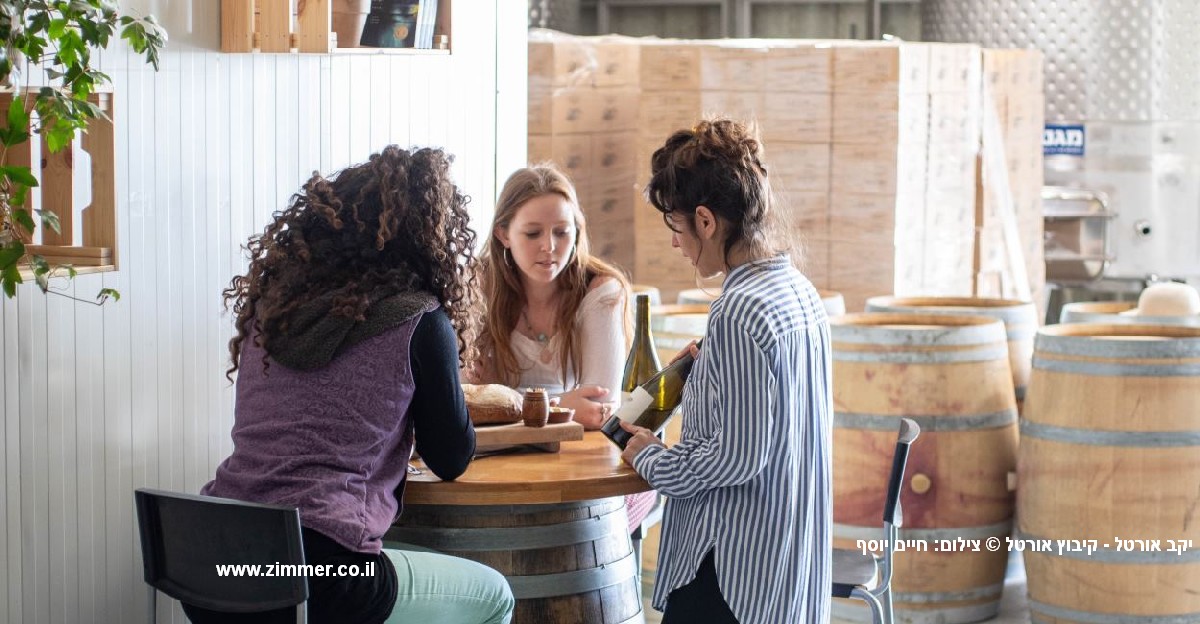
746 535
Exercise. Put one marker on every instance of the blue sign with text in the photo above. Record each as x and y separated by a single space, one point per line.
1061 139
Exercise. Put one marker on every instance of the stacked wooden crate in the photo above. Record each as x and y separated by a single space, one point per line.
880 200
583 106
872 150
902 192
1014 93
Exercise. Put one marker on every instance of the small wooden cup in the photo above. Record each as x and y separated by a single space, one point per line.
536 409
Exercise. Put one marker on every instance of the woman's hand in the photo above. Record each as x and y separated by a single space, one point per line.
589 411
691 348
642 437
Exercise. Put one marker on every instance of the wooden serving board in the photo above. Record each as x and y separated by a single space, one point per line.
492 437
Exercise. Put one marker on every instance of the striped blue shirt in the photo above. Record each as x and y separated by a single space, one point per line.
750 477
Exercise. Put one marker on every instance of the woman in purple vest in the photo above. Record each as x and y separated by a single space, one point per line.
352 321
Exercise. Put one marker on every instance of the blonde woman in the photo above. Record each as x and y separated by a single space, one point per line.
557 317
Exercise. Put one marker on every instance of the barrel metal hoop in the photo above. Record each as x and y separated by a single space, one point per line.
1107 618
574 582
511 538
982 354
1020 392
987 591
1112 369
638 618
945 336
1104 554
885 422
1095 437
853 531
1087 346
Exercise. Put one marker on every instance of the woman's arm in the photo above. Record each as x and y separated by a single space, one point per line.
601 321
739 447
445 436
602 337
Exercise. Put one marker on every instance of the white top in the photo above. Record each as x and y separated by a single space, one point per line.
600 321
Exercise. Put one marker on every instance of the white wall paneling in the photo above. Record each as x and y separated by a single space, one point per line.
100 401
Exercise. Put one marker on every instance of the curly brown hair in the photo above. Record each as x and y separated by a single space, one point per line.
720 163
396 222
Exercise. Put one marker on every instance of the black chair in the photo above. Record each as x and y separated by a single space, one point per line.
185 537
863 575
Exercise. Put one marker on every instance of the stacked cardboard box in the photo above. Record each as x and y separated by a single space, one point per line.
880 200
1014 100
872 150
583 104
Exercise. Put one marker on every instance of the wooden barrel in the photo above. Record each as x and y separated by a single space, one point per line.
951 375
835 304
643 289
1109 446
1020 320
570 563
1110 312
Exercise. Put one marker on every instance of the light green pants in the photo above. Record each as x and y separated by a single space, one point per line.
439 589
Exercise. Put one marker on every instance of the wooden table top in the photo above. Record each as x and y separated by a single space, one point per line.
582 470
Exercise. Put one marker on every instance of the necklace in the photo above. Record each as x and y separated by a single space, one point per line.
541 337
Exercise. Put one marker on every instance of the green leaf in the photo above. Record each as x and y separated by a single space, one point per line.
71 272
50 220
20 175
17 117
57 28
105 293
22 216
59 136
10 253
11 276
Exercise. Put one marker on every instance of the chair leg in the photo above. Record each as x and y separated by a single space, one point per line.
637 557
152 605
877 613
885 600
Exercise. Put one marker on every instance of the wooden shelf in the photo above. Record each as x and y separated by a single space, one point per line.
304 26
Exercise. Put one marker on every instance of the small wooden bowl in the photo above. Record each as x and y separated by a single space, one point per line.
559 415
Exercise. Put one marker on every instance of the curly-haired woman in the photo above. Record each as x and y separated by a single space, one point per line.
746 532
352 322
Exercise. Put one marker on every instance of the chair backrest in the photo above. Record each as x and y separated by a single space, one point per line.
909 430
185 537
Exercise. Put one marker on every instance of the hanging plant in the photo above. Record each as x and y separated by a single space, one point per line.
58 38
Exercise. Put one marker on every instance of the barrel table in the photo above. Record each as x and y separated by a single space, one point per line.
553 523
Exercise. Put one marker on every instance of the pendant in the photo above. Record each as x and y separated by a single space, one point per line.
543 338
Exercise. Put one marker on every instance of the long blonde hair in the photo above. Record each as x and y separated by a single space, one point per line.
504 293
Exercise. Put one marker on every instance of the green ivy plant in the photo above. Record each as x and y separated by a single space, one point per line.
58 38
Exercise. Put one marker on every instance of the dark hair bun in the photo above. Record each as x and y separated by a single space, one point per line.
728 140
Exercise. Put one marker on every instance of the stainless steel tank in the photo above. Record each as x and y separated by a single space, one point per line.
1127 73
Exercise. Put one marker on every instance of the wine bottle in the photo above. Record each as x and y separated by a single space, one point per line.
642 362
653 403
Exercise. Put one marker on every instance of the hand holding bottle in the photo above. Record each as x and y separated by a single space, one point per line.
692 349
641 438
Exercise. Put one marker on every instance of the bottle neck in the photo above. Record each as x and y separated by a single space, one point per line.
641 317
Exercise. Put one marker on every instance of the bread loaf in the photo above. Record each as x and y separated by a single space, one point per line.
492 404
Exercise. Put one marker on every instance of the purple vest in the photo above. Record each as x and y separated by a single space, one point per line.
334 442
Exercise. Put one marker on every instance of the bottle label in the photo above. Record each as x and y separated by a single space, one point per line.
638 401
625 397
